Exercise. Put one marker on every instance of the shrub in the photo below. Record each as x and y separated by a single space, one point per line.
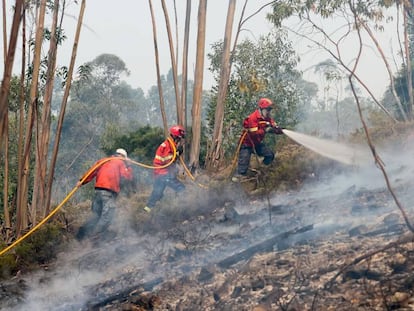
40 247
8 264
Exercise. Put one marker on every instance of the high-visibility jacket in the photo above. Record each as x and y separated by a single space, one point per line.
108 175
256 125
163 156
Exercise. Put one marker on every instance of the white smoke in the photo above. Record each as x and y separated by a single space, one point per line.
327 204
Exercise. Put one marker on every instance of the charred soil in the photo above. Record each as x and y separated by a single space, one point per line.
340 245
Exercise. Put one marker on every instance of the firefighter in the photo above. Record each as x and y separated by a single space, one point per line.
256 125
108 178
166 175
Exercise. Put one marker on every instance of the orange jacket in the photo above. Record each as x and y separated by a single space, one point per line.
163 156
109 174
256 125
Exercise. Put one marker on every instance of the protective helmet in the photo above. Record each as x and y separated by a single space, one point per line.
122 152
177 131
265 103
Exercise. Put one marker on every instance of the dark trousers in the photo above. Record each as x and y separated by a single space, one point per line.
160 183
246 152
103 209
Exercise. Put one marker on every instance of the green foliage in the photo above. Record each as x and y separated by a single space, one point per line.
282 10
259 69
107 69
400 83
373 14
140 144
60 35
40 247
8 264
152 109
13 144
37 249
101 107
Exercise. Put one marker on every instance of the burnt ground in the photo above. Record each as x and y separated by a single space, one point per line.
336 244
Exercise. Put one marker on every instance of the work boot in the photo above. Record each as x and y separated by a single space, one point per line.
238 177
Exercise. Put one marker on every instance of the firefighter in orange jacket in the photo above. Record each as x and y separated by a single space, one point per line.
107 186
166 175
256 125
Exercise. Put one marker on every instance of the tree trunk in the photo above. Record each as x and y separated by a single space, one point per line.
215 152
198 85
7 223
64 102
4 31
173 64
23 188
5 84
185 64
407 10
22 101
387 65
40 192
157 64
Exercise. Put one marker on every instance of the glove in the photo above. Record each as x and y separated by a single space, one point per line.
277 130
180 150
147 209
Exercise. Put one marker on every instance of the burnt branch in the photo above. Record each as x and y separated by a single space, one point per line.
406 239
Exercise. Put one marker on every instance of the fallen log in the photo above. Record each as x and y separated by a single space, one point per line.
229 261
122 295
265 246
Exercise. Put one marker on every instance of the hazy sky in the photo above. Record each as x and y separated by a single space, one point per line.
124 28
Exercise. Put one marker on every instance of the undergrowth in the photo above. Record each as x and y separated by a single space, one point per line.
293 166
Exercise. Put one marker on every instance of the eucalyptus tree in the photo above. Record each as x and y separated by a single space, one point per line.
184 71
174 70
9 54
215 154
33 184
157 65
10 156
9 61
198 85
356 18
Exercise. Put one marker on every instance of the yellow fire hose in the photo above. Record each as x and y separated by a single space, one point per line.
93 168
87 174
44 220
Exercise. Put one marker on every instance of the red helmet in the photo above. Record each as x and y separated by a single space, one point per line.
264 103
177 131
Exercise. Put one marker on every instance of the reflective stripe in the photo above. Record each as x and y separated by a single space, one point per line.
163 159
253 129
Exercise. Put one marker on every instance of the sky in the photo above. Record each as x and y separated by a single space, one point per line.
124 28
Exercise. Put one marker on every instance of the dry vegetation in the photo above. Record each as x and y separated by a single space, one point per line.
211 252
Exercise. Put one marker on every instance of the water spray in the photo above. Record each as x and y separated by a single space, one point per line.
350 155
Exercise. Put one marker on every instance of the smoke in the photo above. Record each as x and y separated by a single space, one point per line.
359 195
61 291
87 272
